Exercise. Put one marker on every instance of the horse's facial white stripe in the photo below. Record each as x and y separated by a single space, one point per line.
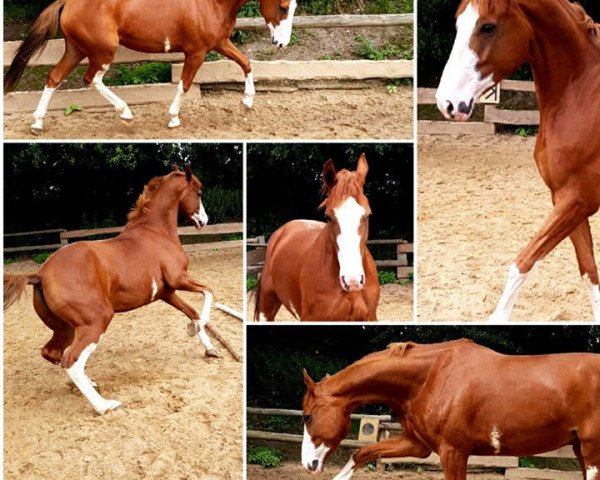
310 453
200 218
282 33
461 81
349 215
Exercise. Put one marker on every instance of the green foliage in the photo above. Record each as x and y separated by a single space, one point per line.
222 205
376 7
266 457
295 38
386 277
18 11
212 56
526 131
251 283
240 37
72 108
250 9
41 257
140 73
366 49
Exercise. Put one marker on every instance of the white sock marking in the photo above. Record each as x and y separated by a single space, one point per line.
594 291
346 472
592 473
116 101
511 291
176 106
310 453
204 318
84 384
42 109
154 289
262 317
495 439
249 91
349 215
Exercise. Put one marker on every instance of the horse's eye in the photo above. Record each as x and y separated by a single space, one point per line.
306 419
487 29
283 10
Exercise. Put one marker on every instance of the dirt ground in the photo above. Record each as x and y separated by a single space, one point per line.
331 114
395 304
480 202
291 471
182 413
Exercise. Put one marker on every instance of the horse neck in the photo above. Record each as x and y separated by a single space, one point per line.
562 49
385 379
233 6
162 211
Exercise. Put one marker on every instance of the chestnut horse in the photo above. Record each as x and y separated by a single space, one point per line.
459 399
96 29
324 271
562 45
81 286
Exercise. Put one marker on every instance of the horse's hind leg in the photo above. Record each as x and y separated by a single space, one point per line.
192 63
267 302
62 332
584 249
66 64
227 48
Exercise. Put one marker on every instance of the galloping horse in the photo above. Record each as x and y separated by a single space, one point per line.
562 45
80 287
459 399
95 30
324 271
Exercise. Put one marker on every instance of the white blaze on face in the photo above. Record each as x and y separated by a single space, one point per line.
281 34
313 457
592 473
461 84
348 216
200 218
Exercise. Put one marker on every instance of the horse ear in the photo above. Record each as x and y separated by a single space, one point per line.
362 168
188 173
310 383
329 174
174 167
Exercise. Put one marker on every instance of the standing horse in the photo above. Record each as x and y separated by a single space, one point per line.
80 287
96 29
459 399
562 45
324 271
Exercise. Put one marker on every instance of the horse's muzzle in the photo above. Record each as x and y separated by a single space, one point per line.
352 283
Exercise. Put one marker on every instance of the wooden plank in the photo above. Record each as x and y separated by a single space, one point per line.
511 117
564 452
255 256
426 96
33 248
91 232
387 263
19 102
283 412
406 248
392 241
474 461
404 272
35 232
290 437
210 229
518 85
203 247
55 48
431 127
537 474
228 71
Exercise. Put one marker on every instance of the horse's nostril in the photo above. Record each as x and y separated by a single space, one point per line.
314 465
450 108
464 108
362 279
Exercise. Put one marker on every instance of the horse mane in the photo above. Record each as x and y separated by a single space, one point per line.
588 23
150 189
346 185
401 348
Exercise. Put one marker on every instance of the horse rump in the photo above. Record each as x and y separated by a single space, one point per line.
44 28
14 284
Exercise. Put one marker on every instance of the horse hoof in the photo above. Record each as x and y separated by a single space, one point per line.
212 353
37 131
193 329
174 123
108 406
248 101
126 121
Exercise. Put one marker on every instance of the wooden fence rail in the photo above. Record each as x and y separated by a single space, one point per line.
65 235
492 114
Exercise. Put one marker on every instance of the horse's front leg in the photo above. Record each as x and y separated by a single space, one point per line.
228 49
401 446
454 462
192 63
584 249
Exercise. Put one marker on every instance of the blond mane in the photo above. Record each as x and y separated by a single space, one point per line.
346 185
588 23
150 189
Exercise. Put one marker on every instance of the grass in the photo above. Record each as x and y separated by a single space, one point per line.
386 276
366 49
140 73
264 456
251 283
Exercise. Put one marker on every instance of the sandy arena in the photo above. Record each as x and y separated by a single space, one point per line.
395 304
481 200
182 413
330 114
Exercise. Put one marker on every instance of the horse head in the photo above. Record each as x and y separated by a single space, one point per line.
279 16
326 423
190 201
492 41
347 209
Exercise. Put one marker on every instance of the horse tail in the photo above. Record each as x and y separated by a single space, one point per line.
44 28
15 284
256 295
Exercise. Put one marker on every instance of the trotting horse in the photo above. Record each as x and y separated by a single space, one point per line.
96 29
562 45
80 287
324 271
459 399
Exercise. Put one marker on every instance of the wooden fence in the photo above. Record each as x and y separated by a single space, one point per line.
384 428
64 237
255 258
492 114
